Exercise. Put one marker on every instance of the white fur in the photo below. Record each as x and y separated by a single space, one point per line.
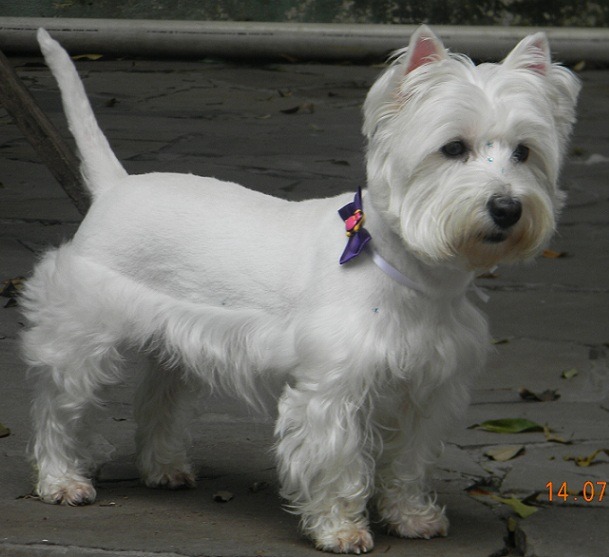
218 284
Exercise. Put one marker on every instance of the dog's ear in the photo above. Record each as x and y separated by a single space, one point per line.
531 53
424 48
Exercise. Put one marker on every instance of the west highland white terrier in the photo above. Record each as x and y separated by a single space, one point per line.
213 282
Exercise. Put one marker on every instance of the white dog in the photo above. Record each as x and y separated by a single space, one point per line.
220 284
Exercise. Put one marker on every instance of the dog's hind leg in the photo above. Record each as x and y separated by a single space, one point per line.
162 405
64 393
72 350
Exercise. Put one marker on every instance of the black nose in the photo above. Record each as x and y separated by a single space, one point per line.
504 210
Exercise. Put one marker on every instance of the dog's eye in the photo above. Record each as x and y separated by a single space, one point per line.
454 149
521 153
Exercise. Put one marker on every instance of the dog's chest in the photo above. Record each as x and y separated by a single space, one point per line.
431 340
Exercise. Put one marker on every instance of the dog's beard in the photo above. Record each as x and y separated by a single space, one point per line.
442 215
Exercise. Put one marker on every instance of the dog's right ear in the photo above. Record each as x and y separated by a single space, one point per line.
424 48
386 96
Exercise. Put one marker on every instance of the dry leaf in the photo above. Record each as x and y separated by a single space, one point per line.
585 461
521 509
488 275
259 486
497 341
91 57
570 373
222 496
580 66
4 431
549 435
551 254
503 453
546 396
304 107
10 289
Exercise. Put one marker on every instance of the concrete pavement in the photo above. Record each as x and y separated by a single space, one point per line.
292 130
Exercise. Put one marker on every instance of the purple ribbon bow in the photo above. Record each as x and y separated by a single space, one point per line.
353 215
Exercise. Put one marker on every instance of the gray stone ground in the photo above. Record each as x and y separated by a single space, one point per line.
227 120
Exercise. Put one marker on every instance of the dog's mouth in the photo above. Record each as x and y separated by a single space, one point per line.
495 237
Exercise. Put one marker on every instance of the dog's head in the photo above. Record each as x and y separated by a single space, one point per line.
463 160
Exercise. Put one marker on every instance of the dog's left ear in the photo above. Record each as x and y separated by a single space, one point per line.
531 53
424 48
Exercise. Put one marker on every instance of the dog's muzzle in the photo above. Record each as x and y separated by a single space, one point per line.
505 212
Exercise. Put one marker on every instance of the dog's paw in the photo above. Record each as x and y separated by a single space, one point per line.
424 523
67 492
171 479
349 539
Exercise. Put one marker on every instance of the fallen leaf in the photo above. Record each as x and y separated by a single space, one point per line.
10 289
4 431
91 57
484 487
503 453
552 438
496 341
258 486
585 461
580 66
339 162
222 496
570 373
551 254
304 107
289 58
29 496
521 509
508 425
488 275
480 489
546 396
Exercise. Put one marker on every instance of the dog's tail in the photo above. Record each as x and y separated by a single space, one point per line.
99 166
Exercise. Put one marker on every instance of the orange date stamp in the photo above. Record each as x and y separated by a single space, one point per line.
589 492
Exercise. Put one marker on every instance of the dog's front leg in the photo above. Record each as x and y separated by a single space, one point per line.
413 433
324 465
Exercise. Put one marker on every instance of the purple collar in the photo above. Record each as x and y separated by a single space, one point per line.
353 215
